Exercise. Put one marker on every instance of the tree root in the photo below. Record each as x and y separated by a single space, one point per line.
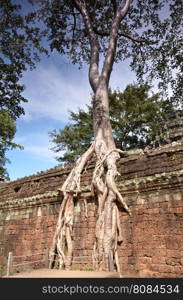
108 230
62 245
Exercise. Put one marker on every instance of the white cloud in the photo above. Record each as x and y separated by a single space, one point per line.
53 90
53 93
43 152
38 145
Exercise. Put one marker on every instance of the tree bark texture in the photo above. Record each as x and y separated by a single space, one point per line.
108 229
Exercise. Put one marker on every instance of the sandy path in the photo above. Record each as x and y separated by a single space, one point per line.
47 273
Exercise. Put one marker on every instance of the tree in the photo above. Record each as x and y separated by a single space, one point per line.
8 130
145 31
19 47
135 117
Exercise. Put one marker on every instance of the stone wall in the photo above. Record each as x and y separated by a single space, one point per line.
171 130
151 184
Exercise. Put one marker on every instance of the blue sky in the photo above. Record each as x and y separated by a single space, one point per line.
53 88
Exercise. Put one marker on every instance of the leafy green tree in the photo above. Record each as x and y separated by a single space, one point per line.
135 117
74 138
7 130
19 48
149 34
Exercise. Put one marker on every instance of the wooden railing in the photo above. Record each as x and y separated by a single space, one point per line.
11 264
45 258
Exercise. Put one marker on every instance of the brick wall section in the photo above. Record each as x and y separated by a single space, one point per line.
151 184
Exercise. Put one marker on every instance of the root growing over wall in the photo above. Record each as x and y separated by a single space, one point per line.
108 229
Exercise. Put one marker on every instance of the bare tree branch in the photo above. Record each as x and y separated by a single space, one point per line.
94 60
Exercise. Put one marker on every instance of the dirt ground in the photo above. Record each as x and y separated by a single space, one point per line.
48 273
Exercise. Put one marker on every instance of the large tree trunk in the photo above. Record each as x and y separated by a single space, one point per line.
108 230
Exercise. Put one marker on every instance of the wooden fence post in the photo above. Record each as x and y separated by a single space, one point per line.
46 258
9 263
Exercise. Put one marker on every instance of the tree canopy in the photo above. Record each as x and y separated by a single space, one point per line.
19 48
135 116
150 36
7 130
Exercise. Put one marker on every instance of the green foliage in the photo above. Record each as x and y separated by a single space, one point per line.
7 133
135 117
76 137
150 36
19 48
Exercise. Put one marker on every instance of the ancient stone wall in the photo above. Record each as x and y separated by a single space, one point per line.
152 186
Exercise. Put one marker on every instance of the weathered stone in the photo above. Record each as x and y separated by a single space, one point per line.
151 184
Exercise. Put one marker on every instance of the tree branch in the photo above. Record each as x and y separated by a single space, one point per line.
74 26
94 60
137 40
109 59
115 5
123 11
